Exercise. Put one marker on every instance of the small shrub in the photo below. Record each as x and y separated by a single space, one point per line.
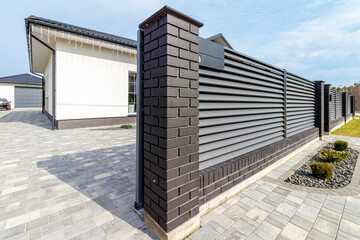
341 145
322 170
127 126
329 155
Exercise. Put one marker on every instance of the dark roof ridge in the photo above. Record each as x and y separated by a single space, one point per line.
80 30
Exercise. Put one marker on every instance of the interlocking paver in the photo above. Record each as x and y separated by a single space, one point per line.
270 209
292 232
66 184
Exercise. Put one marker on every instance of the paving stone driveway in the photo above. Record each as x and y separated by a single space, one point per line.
79 184
271 209
69 184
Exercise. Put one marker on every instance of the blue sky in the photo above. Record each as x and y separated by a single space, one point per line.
317 39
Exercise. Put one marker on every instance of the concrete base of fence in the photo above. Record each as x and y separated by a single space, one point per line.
180 232
215 202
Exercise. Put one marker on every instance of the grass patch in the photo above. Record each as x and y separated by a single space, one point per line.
126 126
351 129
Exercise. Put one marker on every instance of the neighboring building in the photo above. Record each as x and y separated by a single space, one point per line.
23 90
94 73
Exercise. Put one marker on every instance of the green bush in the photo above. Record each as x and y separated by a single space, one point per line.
329 155
126 126
322 170
341 145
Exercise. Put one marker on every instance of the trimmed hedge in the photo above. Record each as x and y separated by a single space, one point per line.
341 145
322 170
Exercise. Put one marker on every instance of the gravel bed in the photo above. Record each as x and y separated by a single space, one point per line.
343 172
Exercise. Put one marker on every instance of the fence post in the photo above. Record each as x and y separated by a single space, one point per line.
344 105
285 104
171 141
353 105
327 117
319 107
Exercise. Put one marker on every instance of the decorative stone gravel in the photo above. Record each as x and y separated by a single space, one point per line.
343 172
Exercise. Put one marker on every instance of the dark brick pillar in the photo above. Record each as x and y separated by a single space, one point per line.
327 93
319 107
171 149
353 105
344 105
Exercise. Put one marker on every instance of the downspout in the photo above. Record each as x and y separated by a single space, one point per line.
53 78
43 95
139 201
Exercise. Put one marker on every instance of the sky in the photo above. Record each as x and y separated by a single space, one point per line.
318 39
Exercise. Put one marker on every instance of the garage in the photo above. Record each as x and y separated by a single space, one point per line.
28 97
23 90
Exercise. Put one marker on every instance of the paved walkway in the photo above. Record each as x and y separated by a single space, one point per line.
69 184
80 184
271 209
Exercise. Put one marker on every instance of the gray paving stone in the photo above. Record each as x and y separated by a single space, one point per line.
326 227
243 227
205 232
292 232
301 222
224 221
350 228
267 230
231 234
235 212
55 177
315 234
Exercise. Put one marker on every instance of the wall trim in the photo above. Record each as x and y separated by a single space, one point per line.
93 122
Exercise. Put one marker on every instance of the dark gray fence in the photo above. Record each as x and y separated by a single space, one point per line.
335 105
243 106
231 118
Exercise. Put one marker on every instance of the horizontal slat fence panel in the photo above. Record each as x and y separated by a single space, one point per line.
332 105
296 108
242 107
338 105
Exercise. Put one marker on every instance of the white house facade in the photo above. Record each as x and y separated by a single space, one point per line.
93 74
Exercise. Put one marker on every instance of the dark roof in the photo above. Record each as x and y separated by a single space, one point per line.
22 78
79 30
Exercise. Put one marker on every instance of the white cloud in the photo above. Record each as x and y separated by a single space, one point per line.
327 47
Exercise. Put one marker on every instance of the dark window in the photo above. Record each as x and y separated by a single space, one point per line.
132 92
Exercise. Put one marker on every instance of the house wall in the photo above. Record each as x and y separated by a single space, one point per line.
91 83
7 91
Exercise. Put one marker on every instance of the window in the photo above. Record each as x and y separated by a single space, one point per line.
132 92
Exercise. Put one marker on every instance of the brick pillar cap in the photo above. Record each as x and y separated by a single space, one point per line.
168 10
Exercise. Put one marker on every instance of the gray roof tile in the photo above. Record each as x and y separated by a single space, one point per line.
79 30
22 78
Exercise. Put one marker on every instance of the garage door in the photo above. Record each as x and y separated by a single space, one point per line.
28 97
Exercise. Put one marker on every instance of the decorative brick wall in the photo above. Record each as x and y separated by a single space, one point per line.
327 93
170 83
319 107
217 179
